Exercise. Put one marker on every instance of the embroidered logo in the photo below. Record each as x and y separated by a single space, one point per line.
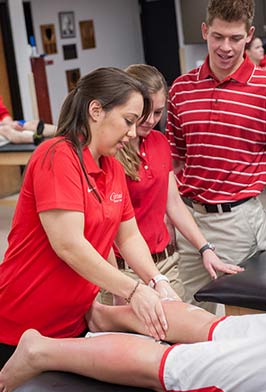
116 197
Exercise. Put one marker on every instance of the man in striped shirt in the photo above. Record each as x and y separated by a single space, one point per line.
216 127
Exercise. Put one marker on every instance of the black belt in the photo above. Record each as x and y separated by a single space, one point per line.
167 252
218 208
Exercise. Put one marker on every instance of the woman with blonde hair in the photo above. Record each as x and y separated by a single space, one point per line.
153 191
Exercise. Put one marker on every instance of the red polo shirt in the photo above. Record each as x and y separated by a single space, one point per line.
219 129
149 195
38 289
3 110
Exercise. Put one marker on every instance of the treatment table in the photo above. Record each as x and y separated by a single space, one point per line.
12 158
243 293
16 154
68 382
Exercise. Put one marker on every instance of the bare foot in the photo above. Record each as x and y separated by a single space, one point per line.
21 366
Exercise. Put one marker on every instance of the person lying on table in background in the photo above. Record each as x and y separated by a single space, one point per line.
21 131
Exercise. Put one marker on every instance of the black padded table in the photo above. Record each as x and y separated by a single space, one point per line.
68 382
246 289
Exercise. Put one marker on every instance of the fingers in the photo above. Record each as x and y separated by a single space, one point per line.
146 304
212 272
229 268
232 269
223 267
156 322
16 125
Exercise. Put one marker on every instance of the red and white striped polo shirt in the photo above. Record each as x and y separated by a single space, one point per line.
219 129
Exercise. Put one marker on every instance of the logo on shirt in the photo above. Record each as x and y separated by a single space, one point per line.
116 197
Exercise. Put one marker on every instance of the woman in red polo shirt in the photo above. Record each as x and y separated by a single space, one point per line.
153 191
73 204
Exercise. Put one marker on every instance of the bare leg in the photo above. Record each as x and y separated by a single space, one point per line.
25 135
186 323
15 136
120 359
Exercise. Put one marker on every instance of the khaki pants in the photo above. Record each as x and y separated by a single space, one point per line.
168 267
237 235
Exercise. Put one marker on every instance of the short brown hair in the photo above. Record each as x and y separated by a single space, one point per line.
231 10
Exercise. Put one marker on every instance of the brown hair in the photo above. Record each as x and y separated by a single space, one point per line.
231 10
153 81
249 44
111 87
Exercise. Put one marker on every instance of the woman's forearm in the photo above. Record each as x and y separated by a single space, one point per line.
181 217
136 252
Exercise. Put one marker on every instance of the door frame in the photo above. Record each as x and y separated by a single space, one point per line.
10 60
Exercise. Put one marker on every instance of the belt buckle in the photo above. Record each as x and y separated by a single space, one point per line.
199 208
221 210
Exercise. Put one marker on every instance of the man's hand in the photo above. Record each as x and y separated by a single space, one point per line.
212 263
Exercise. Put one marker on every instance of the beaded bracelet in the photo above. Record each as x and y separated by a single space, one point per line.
128 299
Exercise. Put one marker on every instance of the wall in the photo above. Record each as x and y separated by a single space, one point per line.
190 54
118 42
117 33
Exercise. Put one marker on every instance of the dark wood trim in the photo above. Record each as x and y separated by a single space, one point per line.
10 60
41 88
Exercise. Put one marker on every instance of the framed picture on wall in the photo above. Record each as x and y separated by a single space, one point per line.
87 34
67 24
70 52
48 38
72 76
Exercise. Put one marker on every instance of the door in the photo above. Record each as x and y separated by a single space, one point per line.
9 86
4 84
160 37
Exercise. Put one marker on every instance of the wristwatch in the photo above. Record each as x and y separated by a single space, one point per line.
38 135
157 278
205 247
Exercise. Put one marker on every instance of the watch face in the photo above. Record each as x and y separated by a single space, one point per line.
207 246
212 247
